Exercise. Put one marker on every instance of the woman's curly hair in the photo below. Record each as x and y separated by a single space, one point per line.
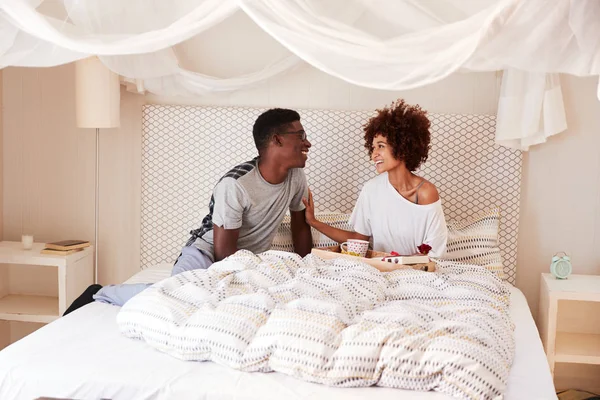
406 129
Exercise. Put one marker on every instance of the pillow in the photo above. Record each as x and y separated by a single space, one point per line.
283 237
475 241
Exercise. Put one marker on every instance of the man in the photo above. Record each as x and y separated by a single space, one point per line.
247 205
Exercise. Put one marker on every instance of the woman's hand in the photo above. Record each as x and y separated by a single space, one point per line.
339 235
309 213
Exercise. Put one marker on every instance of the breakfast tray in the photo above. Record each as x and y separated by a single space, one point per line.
373 258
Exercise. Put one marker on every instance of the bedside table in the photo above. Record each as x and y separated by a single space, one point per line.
37 287
564 344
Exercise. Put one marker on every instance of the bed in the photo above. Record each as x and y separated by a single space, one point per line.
83 355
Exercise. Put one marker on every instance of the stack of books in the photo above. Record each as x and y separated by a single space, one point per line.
65 247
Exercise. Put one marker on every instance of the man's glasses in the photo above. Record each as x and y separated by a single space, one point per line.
302 134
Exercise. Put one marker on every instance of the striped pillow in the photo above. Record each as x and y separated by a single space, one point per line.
475 241
283 238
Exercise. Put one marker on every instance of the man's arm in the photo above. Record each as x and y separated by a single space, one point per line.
301 236
225 241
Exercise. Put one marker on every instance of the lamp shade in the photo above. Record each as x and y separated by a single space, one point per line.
97 95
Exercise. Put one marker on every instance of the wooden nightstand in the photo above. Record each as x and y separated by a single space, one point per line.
38 288
573 337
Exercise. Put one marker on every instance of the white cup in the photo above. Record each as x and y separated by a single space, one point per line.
355 247
27 241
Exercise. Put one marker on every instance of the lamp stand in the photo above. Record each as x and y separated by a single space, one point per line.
96 206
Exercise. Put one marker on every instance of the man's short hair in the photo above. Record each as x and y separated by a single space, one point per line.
269 123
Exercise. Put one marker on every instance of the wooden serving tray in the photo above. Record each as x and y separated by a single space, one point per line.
373 258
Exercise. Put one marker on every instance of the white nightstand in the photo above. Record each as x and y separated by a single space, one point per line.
577 339
37 287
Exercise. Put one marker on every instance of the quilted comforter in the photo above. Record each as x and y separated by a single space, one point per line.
335 322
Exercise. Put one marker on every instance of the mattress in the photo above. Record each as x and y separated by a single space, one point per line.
83 355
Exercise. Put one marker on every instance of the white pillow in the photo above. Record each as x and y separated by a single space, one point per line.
475 241
283 237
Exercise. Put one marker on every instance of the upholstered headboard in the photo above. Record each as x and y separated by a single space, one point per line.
187 149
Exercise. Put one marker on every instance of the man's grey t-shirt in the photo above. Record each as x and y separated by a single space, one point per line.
244 199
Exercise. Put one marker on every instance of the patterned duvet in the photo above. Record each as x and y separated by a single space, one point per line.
335 322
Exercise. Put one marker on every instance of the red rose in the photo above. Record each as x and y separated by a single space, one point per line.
424 248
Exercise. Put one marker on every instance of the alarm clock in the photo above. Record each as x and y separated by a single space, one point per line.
560 267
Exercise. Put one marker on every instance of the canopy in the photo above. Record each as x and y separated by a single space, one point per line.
382 44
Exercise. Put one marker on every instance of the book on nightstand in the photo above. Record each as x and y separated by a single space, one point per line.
67 245
60 252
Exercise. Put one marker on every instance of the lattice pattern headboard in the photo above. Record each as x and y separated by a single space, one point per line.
187 149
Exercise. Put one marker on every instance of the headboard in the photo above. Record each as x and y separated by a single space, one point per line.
186 149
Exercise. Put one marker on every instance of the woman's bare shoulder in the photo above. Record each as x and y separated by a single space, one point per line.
428 193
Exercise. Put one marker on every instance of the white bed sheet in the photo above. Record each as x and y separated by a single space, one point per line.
83 356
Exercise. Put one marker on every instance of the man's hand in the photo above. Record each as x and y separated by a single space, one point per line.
225 241
301 235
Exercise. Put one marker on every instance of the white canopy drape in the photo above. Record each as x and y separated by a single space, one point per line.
383 44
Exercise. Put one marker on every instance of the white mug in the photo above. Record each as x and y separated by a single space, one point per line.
27 241
355 247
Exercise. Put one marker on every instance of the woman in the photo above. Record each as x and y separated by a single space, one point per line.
399 210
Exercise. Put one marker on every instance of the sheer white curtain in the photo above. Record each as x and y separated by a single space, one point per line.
384 44
530 109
